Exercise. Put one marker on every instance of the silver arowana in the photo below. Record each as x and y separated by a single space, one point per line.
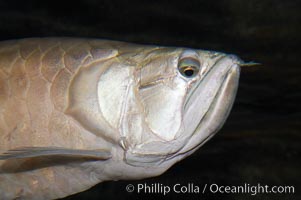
76 112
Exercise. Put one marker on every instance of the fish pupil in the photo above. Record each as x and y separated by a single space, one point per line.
189 72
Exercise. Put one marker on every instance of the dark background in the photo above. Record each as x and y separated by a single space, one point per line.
260 142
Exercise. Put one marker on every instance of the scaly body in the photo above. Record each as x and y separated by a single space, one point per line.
81 94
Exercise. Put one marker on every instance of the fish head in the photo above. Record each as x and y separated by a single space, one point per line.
156 104
185 96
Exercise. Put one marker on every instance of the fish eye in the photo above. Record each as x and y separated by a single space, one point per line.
189 67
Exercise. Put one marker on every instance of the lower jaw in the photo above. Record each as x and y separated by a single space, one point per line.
216 115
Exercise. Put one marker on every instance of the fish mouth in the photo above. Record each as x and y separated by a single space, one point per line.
209 104
193 90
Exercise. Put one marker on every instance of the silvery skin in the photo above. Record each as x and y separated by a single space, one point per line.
76 112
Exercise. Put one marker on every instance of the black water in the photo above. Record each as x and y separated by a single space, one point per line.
260 142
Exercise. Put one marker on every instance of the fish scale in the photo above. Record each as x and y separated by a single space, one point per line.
46 91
